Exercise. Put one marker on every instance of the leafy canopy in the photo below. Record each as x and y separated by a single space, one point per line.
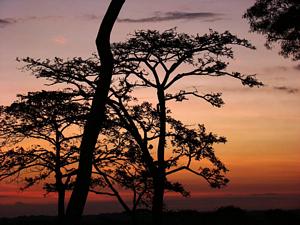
278 20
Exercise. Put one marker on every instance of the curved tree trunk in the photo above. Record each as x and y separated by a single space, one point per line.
96 116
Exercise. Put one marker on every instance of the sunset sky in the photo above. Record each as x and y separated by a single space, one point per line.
262 125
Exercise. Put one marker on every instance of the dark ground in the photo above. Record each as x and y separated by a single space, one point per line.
223 216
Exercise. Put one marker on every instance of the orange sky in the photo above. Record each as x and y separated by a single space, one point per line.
262 125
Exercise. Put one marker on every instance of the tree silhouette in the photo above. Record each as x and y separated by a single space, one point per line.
53 119
156 60
96 115
129 134
278 20
114 167
135 132
151 59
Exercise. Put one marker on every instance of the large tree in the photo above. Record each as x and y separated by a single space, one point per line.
159 61
51 120
278 20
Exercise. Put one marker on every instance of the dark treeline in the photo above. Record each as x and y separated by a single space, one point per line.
225 216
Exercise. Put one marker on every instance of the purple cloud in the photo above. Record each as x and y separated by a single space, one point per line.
177 15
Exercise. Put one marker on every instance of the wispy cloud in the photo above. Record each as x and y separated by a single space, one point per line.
166 16
276 69
177 15
4 22
286 89
281 68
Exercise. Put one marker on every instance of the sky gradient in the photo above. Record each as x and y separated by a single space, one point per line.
262 125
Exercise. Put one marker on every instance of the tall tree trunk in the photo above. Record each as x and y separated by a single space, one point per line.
160 176
96 116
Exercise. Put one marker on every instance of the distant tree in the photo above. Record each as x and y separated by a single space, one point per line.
278 20
51 120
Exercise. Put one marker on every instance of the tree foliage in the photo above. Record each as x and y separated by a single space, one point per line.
43 115
278 20
146 52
